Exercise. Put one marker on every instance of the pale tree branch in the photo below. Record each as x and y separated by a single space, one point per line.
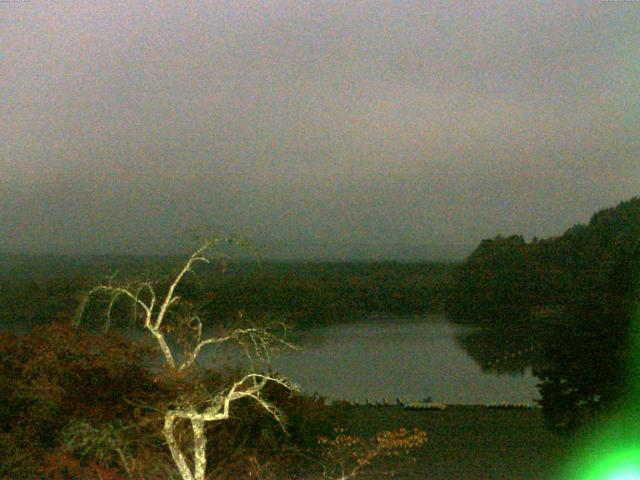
217 407
117 291
218 410
176 453
261 338
169 298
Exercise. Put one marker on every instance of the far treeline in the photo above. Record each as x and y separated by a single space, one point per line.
39 289
578 293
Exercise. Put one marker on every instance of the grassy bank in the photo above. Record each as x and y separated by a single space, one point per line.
467 442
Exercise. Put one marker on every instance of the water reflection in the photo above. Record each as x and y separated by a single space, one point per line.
411 358
395 357
502 350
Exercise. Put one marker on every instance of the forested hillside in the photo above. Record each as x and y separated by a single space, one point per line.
507 279
36 290
579 289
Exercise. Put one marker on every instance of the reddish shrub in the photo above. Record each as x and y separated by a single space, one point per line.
56 374
57 378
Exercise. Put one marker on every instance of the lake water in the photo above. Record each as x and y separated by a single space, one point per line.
393 357
386 356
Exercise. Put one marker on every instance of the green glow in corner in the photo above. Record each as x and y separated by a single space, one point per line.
623 465
631 475
611 451
607 458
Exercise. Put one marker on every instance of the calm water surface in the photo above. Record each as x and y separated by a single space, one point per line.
391 357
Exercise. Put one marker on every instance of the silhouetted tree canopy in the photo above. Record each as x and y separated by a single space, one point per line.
579 289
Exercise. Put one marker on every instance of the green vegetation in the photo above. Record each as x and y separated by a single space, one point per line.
567 302
36 290
467 442
76 404
312 293
81 405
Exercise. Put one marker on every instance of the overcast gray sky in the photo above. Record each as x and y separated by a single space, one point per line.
315 124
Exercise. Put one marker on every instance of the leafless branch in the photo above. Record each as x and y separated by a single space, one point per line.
215 407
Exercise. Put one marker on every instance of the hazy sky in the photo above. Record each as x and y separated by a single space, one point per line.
125 123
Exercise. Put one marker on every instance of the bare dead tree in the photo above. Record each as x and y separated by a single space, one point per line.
258 341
